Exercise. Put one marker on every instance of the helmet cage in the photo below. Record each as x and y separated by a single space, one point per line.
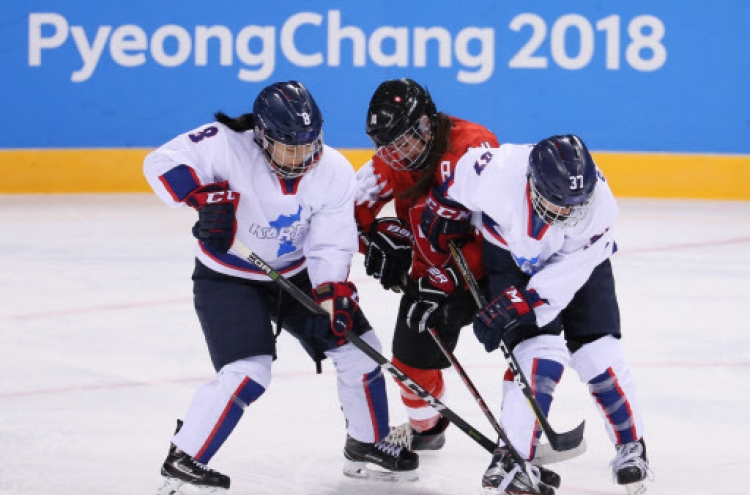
408 151
290 161
564 216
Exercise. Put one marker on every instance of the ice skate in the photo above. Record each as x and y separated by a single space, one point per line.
183 474
630 467
506 476
406 436
391 462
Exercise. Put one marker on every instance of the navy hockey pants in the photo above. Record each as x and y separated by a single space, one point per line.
237 316
592 313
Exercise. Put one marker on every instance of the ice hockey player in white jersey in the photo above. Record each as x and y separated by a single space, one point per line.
546 213
266 179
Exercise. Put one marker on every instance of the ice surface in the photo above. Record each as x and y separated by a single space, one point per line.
100 352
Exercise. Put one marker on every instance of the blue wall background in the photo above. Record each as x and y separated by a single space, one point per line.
695 101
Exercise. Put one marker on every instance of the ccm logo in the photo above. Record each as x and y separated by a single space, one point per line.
447 212
220 196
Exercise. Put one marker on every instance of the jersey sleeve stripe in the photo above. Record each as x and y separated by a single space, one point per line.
180 181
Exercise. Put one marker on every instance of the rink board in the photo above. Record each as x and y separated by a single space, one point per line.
630 174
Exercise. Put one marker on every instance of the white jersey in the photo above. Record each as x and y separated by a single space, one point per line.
292 224
492 183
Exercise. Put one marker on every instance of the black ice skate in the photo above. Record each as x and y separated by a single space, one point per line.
432 439
506 476
630 467
180 469
394 462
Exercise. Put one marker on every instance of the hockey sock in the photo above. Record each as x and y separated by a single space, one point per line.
542 360
218 406
601 366
362 391
422 417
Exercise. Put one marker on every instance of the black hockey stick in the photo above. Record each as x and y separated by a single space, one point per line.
544 454
559 441
464 376
407 288
307 301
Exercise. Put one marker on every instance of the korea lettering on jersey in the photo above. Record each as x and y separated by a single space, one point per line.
289 223
493 184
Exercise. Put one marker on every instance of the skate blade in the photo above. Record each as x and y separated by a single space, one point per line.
361 470
169 486
173 486
637 488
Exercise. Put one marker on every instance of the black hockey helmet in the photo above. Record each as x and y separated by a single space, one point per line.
562 179
399 109
289 128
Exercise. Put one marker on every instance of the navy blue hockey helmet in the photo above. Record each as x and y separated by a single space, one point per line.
289 128
562 179
400 119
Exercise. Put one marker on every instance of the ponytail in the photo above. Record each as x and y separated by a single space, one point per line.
242 123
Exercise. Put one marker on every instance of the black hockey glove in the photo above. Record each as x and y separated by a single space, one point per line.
389 251
216 205
444 220
433 289
341 301
506 317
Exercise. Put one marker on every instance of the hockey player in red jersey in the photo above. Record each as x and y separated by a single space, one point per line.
417 147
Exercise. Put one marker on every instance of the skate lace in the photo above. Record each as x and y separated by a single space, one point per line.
630 455
401 436
201 467
388 448
498 469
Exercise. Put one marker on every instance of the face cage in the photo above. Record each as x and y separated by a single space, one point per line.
550 217
413 144
302 158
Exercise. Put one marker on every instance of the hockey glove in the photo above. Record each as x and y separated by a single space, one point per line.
433 289
216 205
444 220
505 318
341 301
388 256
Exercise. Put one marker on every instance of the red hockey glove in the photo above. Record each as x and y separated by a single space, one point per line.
444 220
505 318
217 206
433 289
341 301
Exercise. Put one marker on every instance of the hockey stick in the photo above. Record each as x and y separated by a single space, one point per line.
406 287
559 441
246 253
544 453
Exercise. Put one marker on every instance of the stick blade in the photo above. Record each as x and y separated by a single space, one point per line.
568 440
545 454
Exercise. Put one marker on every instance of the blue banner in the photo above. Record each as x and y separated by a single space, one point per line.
629 75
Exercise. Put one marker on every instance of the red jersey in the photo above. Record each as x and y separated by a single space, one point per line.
378 184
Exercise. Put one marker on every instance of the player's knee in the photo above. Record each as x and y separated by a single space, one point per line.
251 375
593 358
550 347
350 362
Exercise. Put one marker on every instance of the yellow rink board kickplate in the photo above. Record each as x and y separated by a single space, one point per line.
648 175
